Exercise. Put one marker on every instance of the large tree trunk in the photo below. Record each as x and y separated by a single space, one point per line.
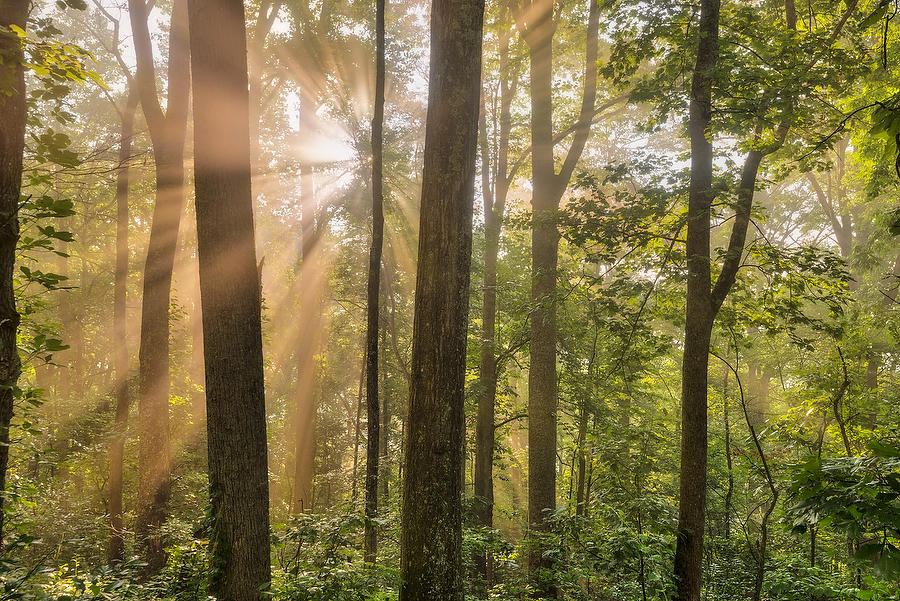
373 450
230 294
167 133
431 527
548 187
542 384
12 145
120 290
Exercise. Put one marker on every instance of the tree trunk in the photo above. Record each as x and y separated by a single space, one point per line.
494 194
542 385
582 458
699 318
729 493
309 278
384 434
431 526
548 188
230 295
167 133
120 290
373 450
12 146
357 430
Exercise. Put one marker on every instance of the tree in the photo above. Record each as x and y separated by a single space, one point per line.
12 144
123 401
548 186
230 293
167 133
496 179
764 135
431 526
699 316
373 450
126 116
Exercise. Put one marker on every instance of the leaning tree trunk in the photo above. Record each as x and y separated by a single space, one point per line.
12 146
117 445
431 526
230 295
372 407
167 133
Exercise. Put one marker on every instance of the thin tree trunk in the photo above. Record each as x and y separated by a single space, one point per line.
357 430
836 405
230 293
384 468
431 526
12 146
761 548
167 133
494 194
588 487
582 459
372 310
117 446
729 494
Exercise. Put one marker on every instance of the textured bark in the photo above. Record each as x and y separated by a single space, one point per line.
548 187
167 133
431 526
373 450
495 190
117 445
699 318
230 295
12 145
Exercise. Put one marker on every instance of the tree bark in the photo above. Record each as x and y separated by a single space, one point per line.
431 526
699 316
167 133
373 450
12 146
230 295
494 189
548 187
120 291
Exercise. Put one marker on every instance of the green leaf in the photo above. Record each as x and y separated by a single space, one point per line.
881 449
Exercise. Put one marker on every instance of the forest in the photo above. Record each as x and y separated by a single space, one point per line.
461 300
